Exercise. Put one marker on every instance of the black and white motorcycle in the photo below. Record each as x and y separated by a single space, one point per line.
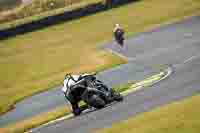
88 88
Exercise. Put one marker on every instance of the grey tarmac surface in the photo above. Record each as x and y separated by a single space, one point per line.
177 45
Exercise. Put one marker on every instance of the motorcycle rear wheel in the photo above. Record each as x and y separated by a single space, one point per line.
97 102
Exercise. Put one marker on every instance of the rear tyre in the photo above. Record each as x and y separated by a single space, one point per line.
122 42
97 102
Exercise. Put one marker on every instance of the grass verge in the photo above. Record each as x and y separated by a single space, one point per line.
30 123
178 117
38 60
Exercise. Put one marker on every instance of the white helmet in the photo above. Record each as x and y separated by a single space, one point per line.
117 25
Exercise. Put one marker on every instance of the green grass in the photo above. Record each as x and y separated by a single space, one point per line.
38 60
178 117
30 123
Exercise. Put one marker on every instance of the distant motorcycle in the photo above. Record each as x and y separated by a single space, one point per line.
119 37
92 91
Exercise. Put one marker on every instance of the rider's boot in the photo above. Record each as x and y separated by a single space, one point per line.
76 110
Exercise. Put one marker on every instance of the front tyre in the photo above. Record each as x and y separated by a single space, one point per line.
117 96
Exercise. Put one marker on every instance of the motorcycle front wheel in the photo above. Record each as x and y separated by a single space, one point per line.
116 95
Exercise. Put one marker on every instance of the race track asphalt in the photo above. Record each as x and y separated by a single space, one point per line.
176 45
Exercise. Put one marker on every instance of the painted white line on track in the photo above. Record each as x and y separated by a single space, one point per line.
51 122
187 61
190 59
117 53
121 55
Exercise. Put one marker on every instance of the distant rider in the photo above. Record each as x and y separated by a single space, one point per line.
119 34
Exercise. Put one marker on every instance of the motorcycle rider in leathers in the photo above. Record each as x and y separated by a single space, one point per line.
73 99
119 34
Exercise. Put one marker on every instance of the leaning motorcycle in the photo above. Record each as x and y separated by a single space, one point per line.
92 91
